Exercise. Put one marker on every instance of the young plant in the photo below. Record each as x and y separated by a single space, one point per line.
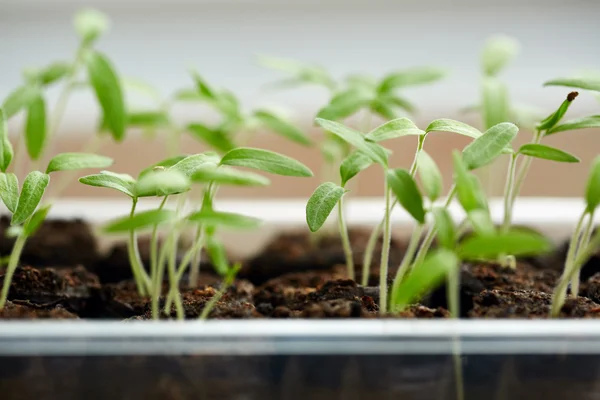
27 215
581 246
298 73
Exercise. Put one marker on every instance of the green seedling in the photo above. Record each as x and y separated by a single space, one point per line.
581 245
297 73
24 204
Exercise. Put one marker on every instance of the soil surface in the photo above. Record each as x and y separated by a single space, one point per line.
63 275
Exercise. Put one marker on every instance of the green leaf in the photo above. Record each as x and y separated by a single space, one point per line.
74 161
517 243
547 153
394 129
36 220
107 87
398 101
282 127
431 177
31 194
578 83
498 52
406 191
6 149
301 72
592 191
592 121
148 119
166 163
321 204
218 256
228 176
122 182
352 165
9 190
162 183
355 139
466 189
444 225
142 220
224 219
35 129
90 24
425 277
411 77
496 105
550 121
215 138
450 125
143 88
266 161
53 72
202 87
188 95
381 108
189 165
345 104
20 99
490 145
481 221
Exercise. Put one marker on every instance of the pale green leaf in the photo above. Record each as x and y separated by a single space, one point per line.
90 24
411 77
592 191
31 194
592 121
406 191
497 53
450 125
6 149
481 221
53 72
516 243
345 104
490 145
495 102
35 128
9 190
20 99
122 182
140 221
321 204
282 127
214 138
166 163
431 177
36 220
266 161
203 87
550 121
394 129
592 83
352 165
189 165
228 176
466 189
547 153
444 225
148 119
162 183
211 217
75 161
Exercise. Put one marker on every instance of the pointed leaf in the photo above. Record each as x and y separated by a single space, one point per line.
90 24
140 221
355 139
107 86
444 225
122 182
74 161
352 165
381 108
431 177
394 129
228 176
406 191
36 220
188 95
399 102
497 53
517 243
496 106
218 256
266 161
35 130
52 73
215 138
450 125
9 190
6 149
31 194
282 127
411 77
425 277
547 153
481 221
554 118
592 191
490 145
162 183
166 163
466 189
321 204
202 87
189 165
148 119
224 219
578 83
592 121
345 104
20 99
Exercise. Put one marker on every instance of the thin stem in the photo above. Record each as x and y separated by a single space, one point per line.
407 259
560 292
428 240
508 190
213 301
174 283
385 252
15 255
196 259
345 240
523 170
154 242
157 278
142 281
581 244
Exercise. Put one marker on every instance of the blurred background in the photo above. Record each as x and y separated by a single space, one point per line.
159 41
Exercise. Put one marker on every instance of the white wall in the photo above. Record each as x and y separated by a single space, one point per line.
158 40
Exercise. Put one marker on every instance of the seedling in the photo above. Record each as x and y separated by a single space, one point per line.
27 216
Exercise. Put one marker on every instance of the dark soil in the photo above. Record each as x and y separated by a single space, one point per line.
64 276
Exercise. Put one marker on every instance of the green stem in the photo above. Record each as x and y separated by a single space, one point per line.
213 301
196 259
560 292
385 252
428 240
154 242
523 170
407 259
157 278
508 190
453 293
15 255
581 244
345 240
142 281
174 283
